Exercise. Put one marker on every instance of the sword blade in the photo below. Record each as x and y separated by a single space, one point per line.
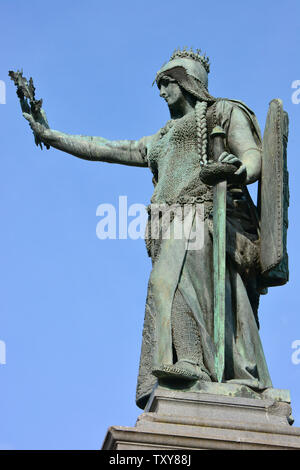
219 260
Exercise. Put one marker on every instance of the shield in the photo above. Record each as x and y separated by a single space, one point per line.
274 198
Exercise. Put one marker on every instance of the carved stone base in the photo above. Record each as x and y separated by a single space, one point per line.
201 420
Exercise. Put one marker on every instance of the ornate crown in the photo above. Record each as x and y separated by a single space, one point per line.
190 54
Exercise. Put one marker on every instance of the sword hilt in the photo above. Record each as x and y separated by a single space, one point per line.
218 135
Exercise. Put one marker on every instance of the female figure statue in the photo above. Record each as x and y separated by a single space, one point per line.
178 329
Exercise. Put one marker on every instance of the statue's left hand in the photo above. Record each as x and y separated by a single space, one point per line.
240 175
228 167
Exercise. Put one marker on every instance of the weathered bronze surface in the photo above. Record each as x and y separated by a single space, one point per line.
201 321
274 197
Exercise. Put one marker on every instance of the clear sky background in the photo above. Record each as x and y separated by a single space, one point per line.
72 306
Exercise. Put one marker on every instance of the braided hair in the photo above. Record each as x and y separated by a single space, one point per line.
200 112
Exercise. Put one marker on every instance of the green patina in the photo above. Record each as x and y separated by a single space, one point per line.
201 320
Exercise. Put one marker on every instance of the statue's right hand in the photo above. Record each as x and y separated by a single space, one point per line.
39 130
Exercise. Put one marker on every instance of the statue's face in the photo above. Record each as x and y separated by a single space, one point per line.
170 91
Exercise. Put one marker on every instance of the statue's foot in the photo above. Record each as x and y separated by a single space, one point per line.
181 371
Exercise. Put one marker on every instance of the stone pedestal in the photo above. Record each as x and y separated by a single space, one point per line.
217 416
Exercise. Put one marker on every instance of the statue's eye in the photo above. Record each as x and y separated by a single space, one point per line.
164 82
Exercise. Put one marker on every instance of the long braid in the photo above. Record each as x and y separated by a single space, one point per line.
200 111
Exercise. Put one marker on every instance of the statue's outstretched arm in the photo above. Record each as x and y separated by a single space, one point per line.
126 152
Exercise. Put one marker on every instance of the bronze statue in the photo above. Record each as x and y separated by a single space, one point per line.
204 157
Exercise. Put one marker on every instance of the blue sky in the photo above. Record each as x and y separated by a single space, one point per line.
72 306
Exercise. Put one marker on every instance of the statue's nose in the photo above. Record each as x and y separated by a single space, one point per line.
162 93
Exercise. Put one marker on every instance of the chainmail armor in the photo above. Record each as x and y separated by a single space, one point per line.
185 334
